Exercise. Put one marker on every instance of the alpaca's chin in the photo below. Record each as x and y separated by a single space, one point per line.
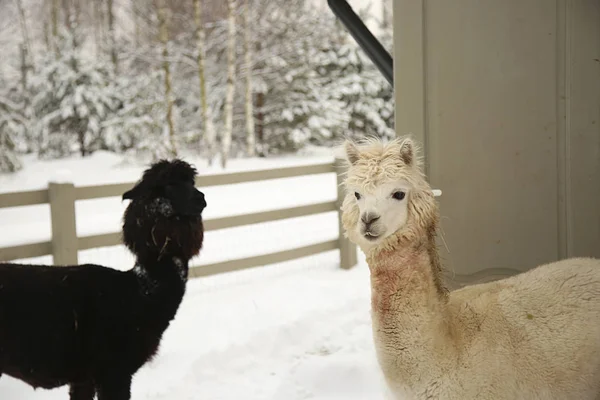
368 240
375 236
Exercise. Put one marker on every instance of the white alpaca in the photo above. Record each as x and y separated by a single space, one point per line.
532 336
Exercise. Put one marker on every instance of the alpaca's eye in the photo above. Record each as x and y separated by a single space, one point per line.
357 195
399 195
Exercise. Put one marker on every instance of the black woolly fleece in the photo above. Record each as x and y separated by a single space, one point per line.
93 327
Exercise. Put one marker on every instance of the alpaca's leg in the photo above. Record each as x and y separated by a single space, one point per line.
82 391
114 388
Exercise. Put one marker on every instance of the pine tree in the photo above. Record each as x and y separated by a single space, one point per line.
294 107
137 126
71 98
363 98
367 98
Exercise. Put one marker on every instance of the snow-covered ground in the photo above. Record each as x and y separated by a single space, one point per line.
295 330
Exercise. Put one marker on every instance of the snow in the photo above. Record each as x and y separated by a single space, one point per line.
295 330
61 176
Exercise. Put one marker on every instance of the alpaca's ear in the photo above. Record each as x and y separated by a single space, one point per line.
131 194
352 153
407 152
128 195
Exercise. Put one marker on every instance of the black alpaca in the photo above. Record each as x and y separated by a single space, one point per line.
93 327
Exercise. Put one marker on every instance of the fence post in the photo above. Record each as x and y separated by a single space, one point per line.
62 218
347 248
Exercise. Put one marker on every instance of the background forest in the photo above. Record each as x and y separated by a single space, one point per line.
150 78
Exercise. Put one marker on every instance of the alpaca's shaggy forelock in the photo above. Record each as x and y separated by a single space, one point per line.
161 174
380 162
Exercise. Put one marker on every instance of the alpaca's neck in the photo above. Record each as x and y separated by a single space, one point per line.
168 271
162 284
410 323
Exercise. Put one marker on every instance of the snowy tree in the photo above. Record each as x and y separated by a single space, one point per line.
231 67
13 129
9 159
290 106
248 68
357 94
112 35
163 16
323 88
138 125
209 129
386 15
54 17
298 111
97 12
367 98
313 84
25 47
304 79
72 97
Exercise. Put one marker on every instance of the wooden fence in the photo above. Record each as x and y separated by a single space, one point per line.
65 243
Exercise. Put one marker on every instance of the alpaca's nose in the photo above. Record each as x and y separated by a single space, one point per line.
368 218
201 199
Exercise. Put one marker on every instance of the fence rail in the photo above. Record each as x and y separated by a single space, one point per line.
30 198
65 243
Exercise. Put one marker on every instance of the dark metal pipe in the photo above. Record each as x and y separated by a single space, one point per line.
365 39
